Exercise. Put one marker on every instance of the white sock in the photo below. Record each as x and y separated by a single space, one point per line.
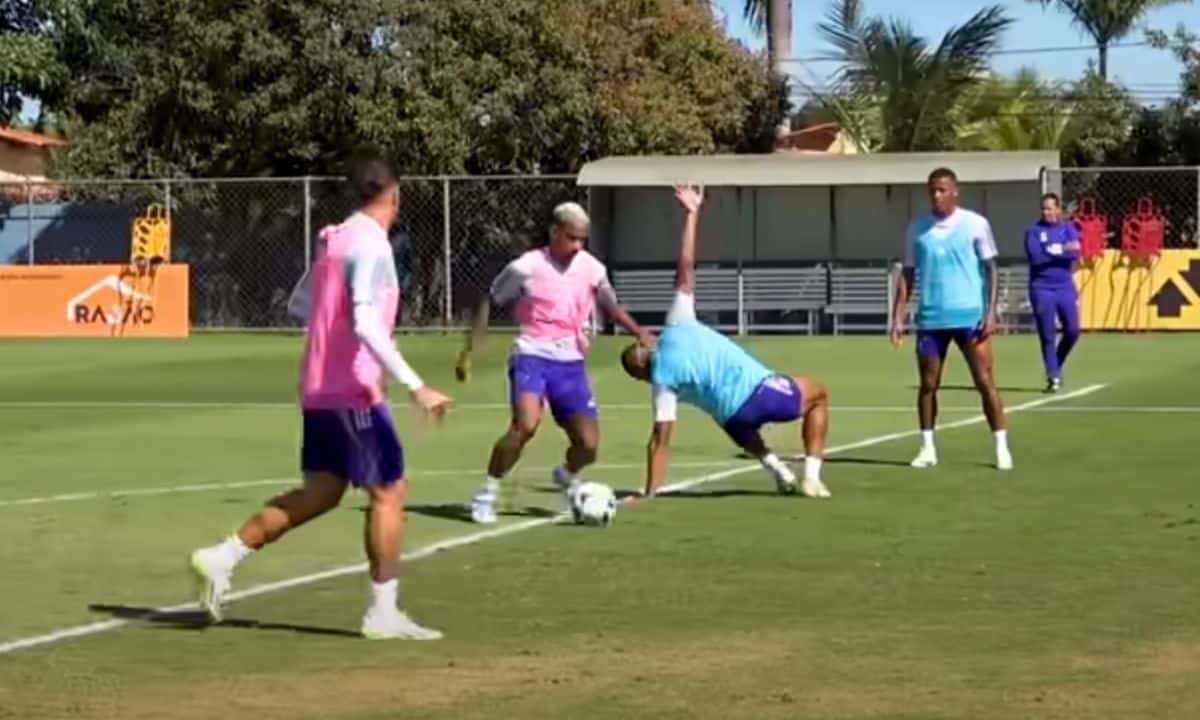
383 594
562 472
812 468
1001 439
491 486
927 439
772 462
232 550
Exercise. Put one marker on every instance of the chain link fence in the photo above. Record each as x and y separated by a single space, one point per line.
1174 193
248 241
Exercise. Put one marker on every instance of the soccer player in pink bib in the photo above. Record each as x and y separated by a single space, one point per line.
349 299
555 288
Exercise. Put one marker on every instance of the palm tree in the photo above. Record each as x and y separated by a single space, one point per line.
774 17
1018 113
893 91
1106 20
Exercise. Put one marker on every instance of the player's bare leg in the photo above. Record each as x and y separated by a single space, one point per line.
814 430
213 566
526 416
929 369
583 433
383 534
979 359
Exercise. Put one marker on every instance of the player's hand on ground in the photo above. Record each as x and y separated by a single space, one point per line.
647 339
691 197
433 403
462 366
897 333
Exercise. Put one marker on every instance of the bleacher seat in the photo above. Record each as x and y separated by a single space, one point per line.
788 291
859 299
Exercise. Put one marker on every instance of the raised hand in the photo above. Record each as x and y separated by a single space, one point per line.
691 197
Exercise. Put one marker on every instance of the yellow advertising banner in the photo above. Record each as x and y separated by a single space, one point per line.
1117 293
93 301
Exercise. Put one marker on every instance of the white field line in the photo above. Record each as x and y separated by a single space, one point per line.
295 479
645 407
75 631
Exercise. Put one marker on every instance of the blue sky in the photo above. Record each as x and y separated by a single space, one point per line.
1151 74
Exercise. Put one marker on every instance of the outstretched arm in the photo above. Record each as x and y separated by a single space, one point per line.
505 288
365 273
606 297
664 403
691 198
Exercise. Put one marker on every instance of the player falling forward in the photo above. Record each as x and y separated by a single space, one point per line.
700 366
349 298
555 288
953 253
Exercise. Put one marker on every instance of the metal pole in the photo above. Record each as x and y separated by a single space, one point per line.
741 294
448 299
1196 227
170 205
29 221
307 222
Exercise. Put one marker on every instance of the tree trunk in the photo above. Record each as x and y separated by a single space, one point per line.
779 43
1103 46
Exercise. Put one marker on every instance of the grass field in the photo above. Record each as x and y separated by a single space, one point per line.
1068 588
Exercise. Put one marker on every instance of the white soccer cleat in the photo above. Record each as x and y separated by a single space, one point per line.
390 623
213 579
927 458
483 508
1004 459
785 481
815 489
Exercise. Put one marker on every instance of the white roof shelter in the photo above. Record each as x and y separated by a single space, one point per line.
809 169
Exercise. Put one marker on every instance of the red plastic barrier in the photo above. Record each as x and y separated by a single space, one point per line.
1093 230
1143 231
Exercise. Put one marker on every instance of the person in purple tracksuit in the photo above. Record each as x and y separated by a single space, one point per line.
1052 247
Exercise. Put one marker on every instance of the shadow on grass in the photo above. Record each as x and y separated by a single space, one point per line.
199 620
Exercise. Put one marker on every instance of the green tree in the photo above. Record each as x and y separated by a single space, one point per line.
893 91
1106 20
194 87
27 61
1179 122
1106 114
1017 113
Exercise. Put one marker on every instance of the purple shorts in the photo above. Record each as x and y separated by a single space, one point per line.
561 383
935 343
776 400
359 445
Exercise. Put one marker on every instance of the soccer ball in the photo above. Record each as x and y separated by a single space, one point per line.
593 503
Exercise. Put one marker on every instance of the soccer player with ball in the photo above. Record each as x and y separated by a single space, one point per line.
700 366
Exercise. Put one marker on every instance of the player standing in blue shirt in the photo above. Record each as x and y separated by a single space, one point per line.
1052 247
702 367
953 254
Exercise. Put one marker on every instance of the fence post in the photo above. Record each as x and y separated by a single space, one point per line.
448 298
168 201
307 222
29 221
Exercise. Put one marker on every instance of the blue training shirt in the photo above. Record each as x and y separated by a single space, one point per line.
701 367
1050 263
948 255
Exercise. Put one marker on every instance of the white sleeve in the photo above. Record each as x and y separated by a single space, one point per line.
664 403
300 301
510 283
366 273
910 241
683 308
985 242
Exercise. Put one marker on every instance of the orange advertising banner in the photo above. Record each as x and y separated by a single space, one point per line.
93 301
